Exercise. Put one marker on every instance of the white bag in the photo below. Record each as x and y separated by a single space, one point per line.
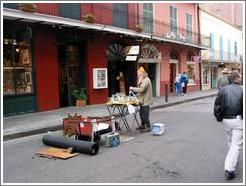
158 129
131 109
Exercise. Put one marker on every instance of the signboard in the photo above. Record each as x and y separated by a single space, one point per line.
132 53
132 50
131 58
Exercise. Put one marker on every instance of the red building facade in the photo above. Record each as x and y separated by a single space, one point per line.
64 55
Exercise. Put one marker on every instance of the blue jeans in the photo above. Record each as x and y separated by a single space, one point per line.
178 88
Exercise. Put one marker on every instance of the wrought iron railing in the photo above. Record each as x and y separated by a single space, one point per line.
217 55
104 14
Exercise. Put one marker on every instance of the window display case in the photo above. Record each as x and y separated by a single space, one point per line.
17 67
100 78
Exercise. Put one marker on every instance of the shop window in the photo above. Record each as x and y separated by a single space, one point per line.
148 17
191 73
205 75
17 64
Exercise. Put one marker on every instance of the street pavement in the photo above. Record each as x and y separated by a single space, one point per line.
192 150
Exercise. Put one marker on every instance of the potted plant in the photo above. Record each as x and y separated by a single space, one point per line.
80 97
27 7
138 28
89 18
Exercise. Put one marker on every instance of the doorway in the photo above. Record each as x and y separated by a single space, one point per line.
70 68
214 77
173 74
117 64
150 68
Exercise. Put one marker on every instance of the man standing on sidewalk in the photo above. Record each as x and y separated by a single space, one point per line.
145 96
228 108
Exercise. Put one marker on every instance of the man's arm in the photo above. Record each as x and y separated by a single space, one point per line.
141 89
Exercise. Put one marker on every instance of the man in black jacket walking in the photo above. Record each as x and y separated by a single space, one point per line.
228 108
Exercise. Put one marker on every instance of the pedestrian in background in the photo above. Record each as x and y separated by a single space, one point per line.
228 109
222 81
178 85
184 83
144 92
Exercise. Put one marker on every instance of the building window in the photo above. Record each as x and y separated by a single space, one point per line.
148 17
205 75
120 15
17 63
235 48
70 10
191 73
229 49
189 26
211 46
173 20
221 48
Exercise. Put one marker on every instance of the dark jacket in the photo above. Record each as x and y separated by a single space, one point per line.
229 102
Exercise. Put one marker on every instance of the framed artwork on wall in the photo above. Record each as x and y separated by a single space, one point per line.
100 78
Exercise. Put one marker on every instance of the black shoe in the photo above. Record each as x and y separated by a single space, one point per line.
146 129
140 128
229 175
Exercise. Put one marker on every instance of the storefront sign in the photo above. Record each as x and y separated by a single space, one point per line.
132 53
131 58
132 50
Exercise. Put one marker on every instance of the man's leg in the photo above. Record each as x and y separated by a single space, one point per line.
234 130
185 89
146 116
234 151
141 113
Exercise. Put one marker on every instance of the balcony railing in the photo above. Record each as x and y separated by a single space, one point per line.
105 14
217 55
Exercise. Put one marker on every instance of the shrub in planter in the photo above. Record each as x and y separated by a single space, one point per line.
80 97
89 18
138 28
27 7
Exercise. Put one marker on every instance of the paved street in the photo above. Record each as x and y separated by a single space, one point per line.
193 149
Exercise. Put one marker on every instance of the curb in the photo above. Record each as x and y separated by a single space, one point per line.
59 127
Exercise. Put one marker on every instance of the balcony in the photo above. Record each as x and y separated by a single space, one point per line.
106 14
218 56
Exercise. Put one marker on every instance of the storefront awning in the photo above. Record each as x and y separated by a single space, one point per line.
12 14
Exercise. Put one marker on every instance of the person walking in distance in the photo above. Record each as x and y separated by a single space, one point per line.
228 109
222 81
178 85
184 82
144 92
